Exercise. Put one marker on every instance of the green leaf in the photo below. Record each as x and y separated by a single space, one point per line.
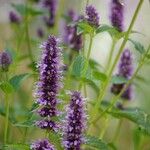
55 139
79 66
135 115
114 33
17 80
17 147
99 75
119 80
84 27
24 10
6 87
3 113
96 143
26 124
104 28
138 46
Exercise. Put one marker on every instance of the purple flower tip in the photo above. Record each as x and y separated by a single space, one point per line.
14 18
42 145
117 14
5 61
92 16
75 123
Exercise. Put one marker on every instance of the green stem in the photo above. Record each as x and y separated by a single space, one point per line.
88 57
7 120
105 85
27 36
105 128
117 131
7 116
90 48
85 90
111 54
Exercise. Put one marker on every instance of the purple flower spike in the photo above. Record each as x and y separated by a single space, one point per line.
14 18
92 16
125 67
73 40
50 5
42 145
5 61
117 14
125 70
75 123
49 83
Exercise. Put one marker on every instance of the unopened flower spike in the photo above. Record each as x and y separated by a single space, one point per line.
92 16
117 14
5 61
125 70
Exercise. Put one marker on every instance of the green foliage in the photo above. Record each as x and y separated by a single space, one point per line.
17 80
136 139
81 71
55 139
114 33
6 87
138 46
79 66
84 27
135 115
99 75
17 147
23 10
118 80
96 143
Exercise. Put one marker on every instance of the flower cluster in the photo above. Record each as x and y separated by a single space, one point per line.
92 16
49 83
51 6
14 18
42 145
75 123
117 14
73 40
5 61
125 70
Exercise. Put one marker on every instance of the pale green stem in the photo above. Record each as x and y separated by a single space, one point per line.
7 116
90 48
28 36
85 90
117 131
88 57
105 128
111 55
